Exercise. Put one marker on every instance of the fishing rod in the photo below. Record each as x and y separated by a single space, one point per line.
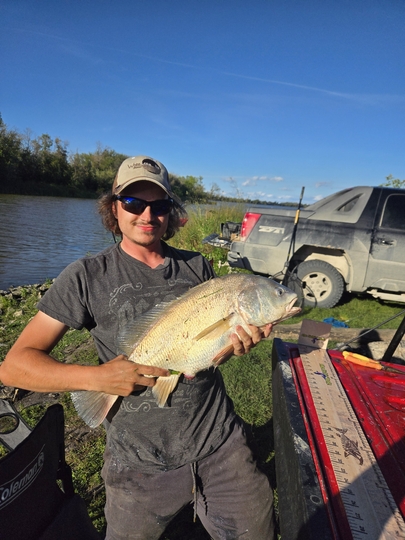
394 342
291 279
293 234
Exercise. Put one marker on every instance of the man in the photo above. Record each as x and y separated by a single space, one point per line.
157 460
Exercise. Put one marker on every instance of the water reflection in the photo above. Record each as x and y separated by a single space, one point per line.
39 236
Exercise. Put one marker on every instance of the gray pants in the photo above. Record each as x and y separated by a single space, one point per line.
234 499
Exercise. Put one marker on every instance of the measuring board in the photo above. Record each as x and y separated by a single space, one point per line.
353 472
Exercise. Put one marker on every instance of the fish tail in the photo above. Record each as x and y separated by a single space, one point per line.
92 406
163 387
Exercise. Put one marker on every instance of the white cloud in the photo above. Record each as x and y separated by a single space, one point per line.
322 184
261 195
252 181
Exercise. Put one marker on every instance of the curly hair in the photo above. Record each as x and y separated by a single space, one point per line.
177 217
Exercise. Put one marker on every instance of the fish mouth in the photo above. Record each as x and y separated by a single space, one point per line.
290 309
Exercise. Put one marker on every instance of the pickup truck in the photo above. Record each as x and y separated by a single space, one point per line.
353 240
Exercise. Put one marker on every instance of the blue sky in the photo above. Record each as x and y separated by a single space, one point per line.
260 97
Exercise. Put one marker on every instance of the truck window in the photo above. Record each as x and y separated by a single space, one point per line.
349 205
343 207
393 214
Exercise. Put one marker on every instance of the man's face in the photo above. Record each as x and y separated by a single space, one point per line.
144 229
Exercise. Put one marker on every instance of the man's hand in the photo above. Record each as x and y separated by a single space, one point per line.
242 342
120 377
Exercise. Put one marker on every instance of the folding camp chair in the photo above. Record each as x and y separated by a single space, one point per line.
33 505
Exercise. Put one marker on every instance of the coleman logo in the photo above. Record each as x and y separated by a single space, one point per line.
275 230
147 164
13 488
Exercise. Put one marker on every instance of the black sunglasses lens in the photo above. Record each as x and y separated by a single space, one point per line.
162 207
137 206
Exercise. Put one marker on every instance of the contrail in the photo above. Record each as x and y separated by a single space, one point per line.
366 98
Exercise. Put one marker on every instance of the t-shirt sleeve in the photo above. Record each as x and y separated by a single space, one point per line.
208 271
67 299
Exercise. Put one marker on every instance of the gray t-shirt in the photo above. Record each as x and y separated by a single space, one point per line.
103 292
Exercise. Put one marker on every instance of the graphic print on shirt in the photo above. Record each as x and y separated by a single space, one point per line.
143 298
181 399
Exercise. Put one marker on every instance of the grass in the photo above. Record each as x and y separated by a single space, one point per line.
248 379
203 221
357 312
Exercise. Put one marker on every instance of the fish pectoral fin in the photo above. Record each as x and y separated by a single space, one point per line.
132 331
163 387
92 406
217 329
223 355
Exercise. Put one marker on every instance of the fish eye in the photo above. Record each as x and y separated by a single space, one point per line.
279 291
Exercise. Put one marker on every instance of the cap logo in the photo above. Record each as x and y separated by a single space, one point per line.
147 164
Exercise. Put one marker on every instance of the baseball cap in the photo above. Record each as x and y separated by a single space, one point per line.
139 168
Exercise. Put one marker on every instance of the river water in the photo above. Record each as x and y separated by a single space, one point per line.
40 236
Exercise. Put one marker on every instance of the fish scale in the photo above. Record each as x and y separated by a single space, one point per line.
179 350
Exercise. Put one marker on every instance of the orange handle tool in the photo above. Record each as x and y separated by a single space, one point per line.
367 362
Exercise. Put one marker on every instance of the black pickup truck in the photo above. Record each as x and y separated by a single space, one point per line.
353 240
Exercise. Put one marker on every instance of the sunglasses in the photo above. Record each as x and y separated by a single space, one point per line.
161 207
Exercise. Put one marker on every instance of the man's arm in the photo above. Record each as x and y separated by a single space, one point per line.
28 365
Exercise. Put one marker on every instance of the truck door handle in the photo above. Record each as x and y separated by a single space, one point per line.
385 241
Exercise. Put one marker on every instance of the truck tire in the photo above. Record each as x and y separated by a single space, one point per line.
322 284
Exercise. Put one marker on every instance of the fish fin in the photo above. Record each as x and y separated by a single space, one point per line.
92 406
163 387
223 356
217 329
132 331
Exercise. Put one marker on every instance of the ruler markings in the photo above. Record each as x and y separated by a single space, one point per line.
370 507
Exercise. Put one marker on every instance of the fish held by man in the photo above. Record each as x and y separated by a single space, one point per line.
192 333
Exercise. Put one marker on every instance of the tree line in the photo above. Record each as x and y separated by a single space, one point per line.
44 166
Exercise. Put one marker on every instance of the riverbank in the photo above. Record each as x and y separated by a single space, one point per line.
19 291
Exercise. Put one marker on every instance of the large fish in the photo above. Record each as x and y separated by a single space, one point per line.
192 333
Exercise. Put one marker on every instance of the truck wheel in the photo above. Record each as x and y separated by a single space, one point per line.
322 284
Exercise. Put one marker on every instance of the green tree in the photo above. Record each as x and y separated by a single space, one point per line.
106 163
52 157
30 170
394 182
10 156
215 192
83 172
188 188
